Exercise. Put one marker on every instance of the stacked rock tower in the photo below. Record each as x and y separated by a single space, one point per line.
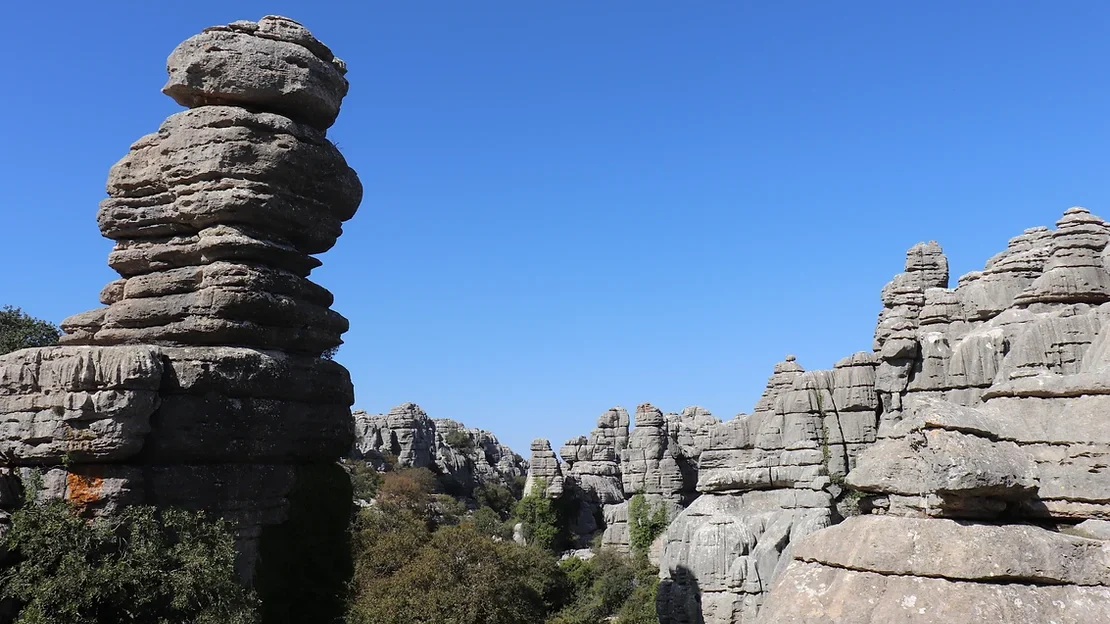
202 383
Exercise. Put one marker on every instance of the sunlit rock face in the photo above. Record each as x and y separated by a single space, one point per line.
464 458
961 467
200 383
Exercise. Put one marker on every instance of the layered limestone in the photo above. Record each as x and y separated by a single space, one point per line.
973 439
464 458
545 471
985 497
201 384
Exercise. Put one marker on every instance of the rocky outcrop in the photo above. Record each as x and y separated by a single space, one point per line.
201 383
973 441
601 472
985 495
544 471
463 457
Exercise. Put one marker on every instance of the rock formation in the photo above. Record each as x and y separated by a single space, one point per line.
201 383
602 472
464 458
973 440
544 470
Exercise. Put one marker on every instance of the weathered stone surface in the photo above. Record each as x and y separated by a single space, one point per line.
274 64
653 462
407 438
811 593
86 404
224 165
959 551
721 554
201 383
544 468
986 403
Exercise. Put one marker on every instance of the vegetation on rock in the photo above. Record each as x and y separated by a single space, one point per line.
645 524
141 566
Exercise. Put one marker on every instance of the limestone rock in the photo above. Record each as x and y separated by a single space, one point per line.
810 593
274 65
544 468
407 438
201 384
84 404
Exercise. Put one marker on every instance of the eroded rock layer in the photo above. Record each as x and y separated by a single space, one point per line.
986 493
201 383
464 458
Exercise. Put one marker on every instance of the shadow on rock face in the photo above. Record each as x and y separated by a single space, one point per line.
679 599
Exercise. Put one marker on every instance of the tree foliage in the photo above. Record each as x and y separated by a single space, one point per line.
460 441
538 517
461 576
645 523
610 587
140 566
419 560
18 330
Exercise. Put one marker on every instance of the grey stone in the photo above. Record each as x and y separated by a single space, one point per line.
274 65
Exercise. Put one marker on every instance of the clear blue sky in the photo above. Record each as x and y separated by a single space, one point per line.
574 205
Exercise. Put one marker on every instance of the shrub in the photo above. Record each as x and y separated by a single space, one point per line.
459 440
458 576
409 488
365 479
140 566
487 522
645 524
611 587
21 331
539 518
497 497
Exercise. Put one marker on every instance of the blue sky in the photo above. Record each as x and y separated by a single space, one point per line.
574 205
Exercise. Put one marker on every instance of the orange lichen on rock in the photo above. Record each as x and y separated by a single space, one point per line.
82 489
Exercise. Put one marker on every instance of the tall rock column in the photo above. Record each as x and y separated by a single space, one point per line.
201 383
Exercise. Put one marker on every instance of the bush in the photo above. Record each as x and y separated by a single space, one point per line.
497 497
459 440
487 522
645 524
463 577
20 331
410 489
539 518
365 479
140 566
611 584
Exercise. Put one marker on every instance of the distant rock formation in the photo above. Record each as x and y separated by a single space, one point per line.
201 383
987 496
463 457
602 472
973 440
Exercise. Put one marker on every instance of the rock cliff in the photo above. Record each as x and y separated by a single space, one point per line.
464 458
200 383
962 466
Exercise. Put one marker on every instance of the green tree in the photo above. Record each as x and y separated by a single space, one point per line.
487 522
464 577
21 331
460 441
140 566
538 517
365 479
497 497
645 524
